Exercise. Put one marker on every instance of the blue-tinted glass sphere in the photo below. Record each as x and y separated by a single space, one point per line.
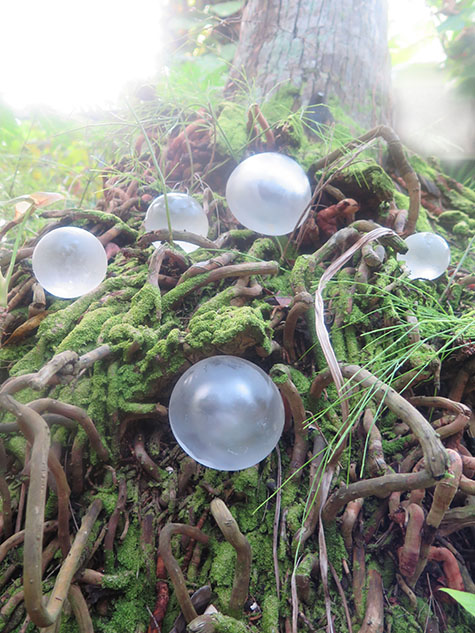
268 193
186 214
428 255
69 262
226 413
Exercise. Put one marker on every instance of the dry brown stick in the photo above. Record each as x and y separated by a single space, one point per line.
63 493
18 538
19 295
378 486
359 575
88 359
350 515
467 485
402 164
42 405
22 253
374 615
5 494
210 264
275 535
41 613
114 519
183 236
444 493
242 573
144 458
409 553
154 267
41 378
456 519
175 296
437 402
434 452
280 374
173 568
80 610
342 597
300 305
35 429
315 491
376 462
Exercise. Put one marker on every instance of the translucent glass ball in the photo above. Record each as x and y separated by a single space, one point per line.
186 214
268 193
69 262
428 255
226 413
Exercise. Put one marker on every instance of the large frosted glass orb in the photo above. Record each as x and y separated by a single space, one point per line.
428 255
69 262
268 193
186 214
226 413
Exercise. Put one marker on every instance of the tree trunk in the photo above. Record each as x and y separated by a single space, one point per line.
334 47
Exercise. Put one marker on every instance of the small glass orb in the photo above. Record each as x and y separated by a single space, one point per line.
69 262
428 255
186 214
226 413
268 193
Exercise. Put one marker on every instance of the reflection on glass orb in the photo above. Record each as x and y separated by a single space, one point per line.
226 413
185 215
428 256
69 262
268 193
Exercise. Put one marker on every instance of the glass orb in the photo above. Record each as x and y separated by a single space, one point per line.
186 214
69 262
226 413
428 255
268 193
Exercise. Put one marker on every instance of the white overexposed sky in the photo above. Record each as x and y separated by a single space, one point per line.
76 55
79 55
411 25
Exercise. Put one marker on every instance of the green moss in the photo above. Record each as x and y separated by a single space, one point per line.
230 330
420 166
32 361
264 248
117 581
222 572
270 614
246 480
225 624
401 620
109 500
401 200
294 517
85 334
301 381
369 177
16 445
232 137
335 547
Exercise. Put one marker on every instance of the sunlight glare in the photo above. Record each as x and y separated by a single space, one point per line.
75 56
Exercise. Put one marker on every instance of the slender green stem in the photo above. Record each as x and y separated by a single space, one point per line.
157 167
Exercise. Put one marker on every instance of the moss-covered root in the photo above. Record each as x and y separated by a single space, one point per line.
173 568
216 623
230 529
280 374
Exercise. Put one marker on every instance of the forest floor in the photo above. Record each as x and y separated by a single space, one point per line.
364 511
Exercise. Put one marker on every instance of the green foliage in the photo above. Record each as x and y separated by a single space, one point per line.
467 600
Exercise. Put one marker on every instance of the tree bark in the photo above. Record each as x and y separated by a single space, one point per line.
334 47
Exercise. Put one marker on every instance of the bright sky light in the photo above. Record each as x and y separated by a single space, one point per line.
76 55
79 55
411 26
